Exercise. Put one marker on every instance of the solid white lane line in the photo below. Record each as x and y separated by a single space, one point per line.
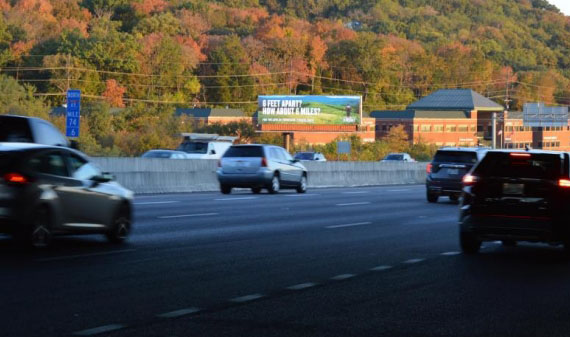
179 313
185 215
356 192
450 253
231 199
380 268
349 225
354 203
246 298
302 286
98 330
412 261
342 277
154 203
69 257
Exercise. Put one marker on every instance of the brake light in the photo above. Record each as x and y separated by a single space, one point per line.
263 162
15 178
520 155
564 183
469 179
428 168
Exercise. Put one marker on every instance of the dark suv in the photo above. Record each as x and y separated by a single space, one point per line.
516 196
446 171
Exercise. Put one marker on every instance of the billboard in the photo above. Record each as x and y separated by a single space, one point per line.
314 110
537 115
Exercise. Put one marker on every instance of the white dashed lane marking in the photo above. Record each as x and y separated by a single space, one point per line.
349 225
380 268
99 330
342 277
155 203
354 203
450 253
179 313
302 286
186 215
246 298
412 261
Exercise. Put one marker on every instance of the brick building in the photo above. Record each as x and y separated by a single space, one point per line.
462 117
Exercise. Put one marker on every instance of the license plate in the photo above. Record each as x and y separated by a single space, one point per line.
453 171
242 164
513 189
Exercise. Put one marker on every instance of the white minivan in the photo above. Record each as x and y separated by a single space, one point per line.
205 145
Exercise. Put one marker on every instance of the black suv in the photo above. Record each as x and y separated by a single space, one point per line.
516 196
446 171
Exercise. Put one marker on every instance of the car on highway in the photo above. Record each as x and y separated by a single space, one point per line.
205 145
398 157
445 172
23 129
516 196
165 154
310 156
47 191
259 166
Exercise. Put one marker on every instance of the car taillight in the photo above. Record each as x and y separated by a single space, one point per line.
15 178
263 162
469 180
564 183
428 168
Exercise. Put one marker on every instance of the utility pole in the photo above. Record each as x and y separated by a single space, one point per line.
68 62
507 99
494 130
291 76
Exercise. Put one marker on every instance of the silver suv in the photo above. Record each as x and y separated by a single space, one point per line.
260 166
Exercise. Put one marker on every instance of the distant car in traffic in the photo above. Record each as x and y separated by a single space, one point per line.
260 166
516 196
403 157
47 190
310 156
165 154
445 172
23 129
205 145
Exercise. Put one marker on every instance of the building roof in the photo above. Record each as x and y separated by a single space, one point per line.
410 114
205 113
456 99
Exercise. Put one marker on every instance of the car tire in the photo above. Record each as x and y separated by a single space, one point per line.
38 234
274 185
225 189
256 190
432 197
302 188
120 228
469 243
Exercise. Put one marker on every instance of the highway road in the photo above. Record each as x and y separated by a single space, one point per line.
374 261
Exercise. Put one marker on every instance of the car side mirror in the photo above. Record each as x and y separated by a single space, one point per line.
74 144
212 151
295 160
104 177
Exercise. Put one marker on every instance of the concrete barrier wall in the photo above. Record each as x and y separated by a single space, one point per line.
146 175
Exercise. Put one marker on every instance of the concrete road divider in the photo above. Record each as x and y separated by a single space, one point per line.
149 175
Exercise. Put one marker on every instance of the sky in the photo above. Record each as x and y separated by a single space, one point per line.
563 5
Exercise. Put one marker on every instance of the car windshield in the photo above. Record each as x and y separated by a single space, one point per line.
157 154
244 151
394 157
14 129
193 147
468 157
305 155
520 165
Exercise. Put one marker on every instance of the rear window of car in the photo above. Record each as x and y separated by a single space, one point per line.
305 156
157 154
15 129
193 147
395 157
520 165
244 151
467 157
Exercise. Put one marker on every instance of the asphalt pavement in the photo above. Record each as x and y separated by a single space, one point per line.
374 261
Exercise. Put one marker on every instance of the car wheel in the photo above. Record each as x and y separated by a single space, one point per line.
432 197
225 189
469 243
121 227
256 190
39 233
302 188
275 185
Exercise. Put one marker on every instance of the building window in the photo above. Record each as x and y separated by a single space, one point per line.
450 128
463 128
384 127
416 127
438 128
473 128
450 144
425 128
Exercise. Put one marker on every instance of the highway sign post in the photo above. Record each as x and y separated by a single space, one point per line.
73 113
